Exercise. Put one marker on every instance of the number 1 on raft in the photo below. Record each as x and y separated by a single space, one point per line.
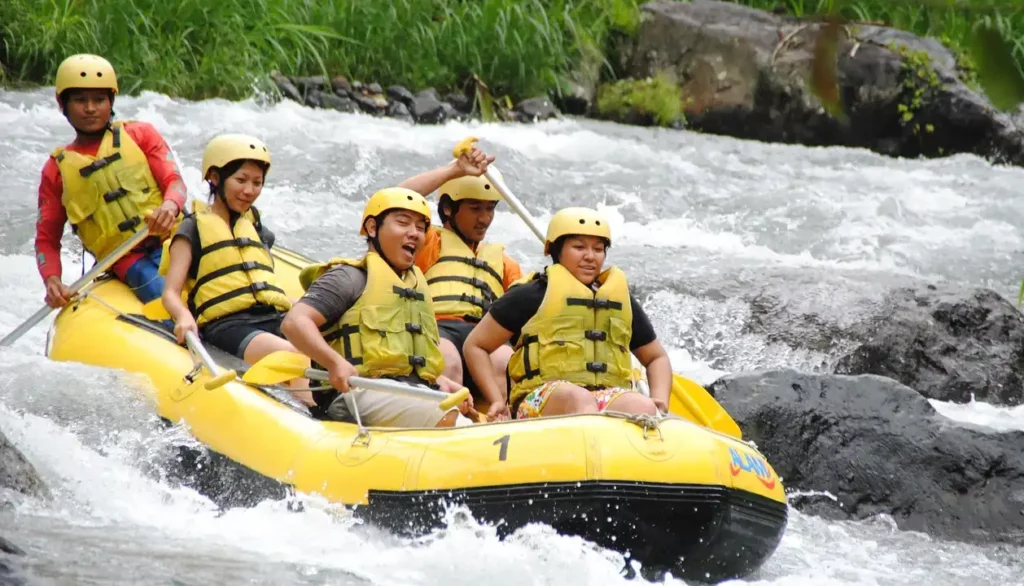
503 453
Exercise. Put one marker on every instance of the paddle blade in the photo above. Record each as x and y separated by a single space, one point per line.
465 145
276 368
692 401
155 310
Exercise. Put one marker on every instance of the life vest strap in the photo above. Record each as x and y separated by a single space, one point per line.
408 293
596 335
529 372
252 289
129 224
234 243
242 266
481 303
116 141
114 195
345 333
597 367
473 262
478 283
595 303
98 164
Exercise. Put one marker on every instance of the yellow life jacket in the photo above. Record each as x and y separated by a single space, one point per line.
253 215
235 271
390 330
464 283
107 195
577 335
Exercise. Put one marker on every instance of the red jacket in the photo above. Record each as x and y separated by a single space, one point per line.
52 216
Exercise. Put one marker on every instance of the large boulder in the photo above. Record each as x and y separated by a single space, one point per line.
745 73
947 343
16 473
880 448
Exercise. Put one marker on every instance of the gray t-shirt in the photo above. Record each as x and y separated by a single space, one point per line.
335 291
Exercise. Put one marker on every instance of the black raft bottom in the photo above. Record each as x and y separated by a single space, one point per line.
698 532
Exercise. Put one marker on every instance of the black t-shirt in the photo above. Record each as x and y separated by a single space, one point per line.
513 309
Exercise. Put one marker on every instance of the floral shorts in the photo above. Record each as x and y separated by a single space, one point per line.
533 403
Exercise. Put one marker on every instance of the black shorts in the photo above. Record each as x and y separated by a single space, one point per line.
456 331
233 333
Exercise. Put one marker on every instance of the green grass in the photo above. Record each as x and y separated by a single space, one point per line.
655 101
951 21
220 48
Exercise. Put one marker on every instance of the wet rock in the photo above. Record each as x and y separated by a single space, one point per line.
374 88
880 447
313 98
576 99
947 345
341 86
461 103
306 84
399 111
339 103
286 87
399 93
535 110
744 71
426 108
8 547
357 86
16 473
370 104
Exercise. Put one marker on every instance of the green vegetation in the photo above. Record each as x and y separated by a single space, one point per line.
919 76
655 100
203 48
953 22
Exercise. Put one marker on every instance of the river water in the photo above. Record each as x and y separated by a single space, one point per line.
700 223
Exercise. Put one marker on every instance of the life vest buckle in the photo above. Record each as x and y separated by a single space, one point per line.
250 265
414 328
98 164
596 335
129 224
597 367
114 195
408 293
259 286
417 361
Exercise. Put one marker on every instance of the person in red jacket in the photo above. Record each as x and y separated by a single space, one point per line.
113 179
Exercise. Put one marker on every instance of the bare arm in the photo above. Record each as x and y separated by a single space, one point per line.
485 338
659 370
174 282
302 328
472 163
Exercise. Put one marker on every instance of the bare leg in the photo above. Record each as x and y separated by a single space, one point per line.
632 403
568 399
452 361
265 344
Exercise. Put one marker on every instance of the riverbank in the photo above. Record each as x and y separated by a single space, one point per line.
503 60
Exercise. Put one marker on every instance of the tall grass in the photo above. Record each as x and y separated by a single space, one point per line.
217 48
951 21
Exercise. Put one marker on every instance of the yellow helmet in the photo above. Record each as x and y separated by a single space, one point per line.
85 72
470 187
231 147
394 198
573 221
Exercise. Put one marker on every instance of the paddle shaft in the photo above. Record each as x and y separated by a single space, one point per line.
515 204
101 267
384 385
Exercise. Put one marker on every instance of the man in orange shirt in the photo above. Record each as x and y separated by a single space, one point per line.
464 274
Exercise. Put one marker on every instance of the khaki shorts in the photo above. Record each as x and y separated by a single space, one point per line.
377 409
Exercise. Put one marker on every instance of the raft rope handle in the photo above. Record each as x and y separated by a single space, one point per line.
645 421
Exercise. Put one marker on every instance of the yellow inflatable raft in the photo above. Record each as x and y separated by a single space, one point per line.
673 495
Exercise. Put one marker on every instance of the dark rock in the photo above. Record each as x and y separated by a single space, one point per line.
357 86
535 110
426 108
305 84
399 111
576 99
370 104
287 88
313 98
946 345
374 88
341 86
880 447
9 548
339 103
16 473
450 113
431 93
745 71
397 92
460 102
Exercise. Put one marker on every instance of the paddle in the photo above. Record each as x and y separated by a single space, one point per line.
694 402
282 365
100 268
